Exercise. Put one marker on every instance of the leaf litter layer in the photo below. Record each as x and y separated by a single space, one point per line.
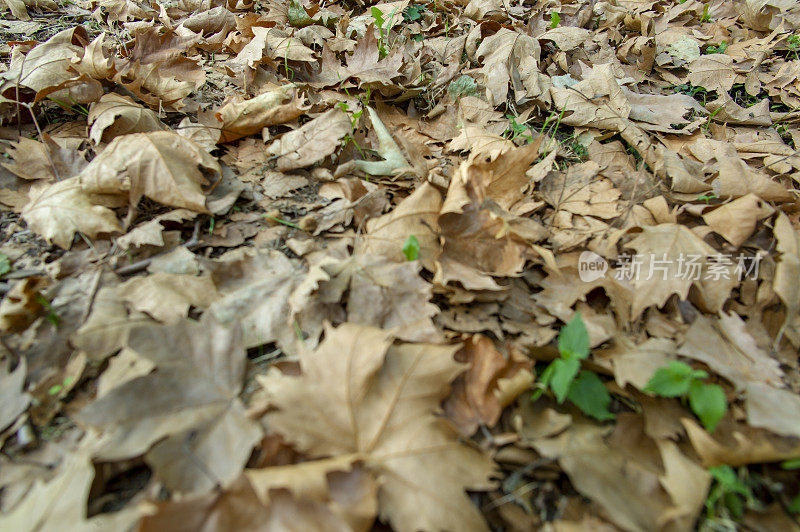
288 265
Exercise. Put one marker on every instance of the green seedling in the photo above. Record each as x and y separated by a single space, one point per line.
794 45
555 18
411 248
5 264
284 222
565 378
707 401
730 494
52 317
377 15
56 388
718 49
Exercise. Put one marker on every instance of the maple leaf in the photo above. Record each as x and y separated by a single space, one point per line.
375 402
114 115
161 165
61 500
664 248
189 402
58 211
32 159
311 143
237 117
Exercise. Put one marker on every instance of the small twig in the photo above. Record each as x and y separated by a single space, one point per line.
24 274
136 267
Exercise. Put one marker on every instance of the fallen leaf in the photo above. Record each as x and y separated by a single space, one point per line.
189 402
390 394
160 165
59 210
238 118
114 115
311 143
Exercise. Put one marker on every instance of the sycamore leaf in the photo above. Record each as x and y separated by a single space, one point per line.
32 159
375 402
58 211
61 502
311 143
161 165
189 405
238 118
116 115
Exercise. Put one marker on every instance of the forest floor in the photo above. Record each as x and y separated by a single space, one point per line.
447 265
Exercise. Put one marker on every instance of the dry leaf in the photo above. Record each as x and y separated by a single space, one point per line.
376 403
161 165
311 143
58 211
114 115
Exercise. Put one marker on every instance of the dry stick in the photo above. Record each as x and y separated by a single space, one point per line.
136 267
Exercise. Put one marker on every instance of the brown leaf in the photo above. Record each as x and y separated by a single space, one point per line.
62 499
32 159
475 399
311 143
736 221
189 402
116 115
58 211
161 165
416 215
376 403
655 486
726 346
238 118
167 297
774 409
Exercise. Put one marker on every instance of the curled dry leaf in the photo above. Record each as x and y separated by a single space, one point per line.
116 115
311 143
161 165
41 160
476 398
62 499
239 118
376 404
58 211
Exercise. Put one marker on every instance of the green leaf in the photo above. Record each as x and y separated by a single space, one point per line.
5 264
411 248
573 340
377 14
463 86
298 16
412 13
673 380
708 403
794 505
564 371
555 18
794 463
590 395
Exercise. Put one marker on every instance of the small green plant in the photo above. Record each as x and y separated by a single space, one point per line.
516 130
794 45
5 264
413 12
281 221
377 15
730 493
555 18
565 378
706 17
710 117
52 317
707 197
707 401
56 388
717 49
411 248
463 86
